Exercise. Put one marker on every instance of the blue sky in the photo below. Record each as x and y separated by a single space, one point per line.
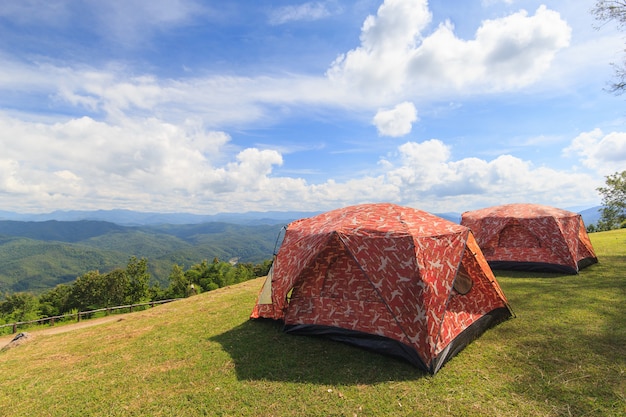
205 106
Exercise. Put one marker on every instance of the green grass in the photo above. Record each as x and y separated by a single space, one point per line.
563 355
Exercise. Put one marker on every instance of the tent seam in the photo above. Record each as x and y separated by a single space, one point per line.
458 266
393 315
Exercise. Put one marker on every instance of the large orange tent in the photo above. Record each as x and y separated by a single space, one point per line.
531 237
383 277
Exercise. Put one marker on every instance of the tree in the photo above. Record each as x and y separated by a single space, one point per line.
613 202
243 272
21 306
138 280
179 282
115 285
54 302
262 269
87 292
613 10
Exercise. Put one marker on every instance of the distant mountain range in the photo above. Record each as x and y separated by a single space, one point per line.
136 218
591 215
40 251
38 255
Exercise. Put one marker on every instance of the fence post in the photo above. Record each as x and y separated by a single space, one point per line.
78 316
14 327
52 321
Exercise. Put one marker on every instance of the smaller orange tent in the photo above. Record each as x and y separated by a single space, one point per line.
531 237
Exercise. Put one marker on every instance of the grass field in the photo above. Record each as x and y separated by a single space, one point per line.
563 355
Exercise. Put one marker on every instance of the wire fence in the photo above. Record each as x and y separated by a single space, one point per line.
81 314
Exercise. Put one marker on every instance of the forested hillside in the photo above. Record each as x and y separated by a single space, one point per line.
35 256
37 252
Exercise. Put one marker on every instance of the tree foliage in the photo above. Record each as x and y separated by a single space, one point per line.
21 306
180 283
613 11
55 301
131 285
613 202
115 287
207 276
138 280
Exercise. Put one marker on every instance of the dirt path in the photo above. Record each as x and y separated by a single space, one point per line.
6 339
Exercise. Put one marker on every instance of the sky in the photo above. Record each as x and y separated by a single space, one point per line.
207 107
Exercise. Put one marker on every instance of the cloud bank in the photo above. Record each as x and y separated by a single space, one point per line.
114 137
166 167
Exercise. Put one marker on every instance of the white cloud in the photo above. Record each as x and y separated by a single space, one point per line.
249 174
396 56
425 175
605 153
517 49
396 61
159 144
379 64
149 164
108 163
302 12
397 121
420 164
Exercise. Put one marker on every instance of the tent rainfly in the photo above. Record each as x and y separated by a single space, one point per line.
391 279
531 237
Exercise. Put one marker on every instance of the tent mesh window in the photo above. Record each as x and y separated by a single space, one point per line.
463 283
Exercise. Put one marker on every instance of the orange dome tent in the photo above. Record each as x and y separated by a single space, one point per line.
383 277
531 237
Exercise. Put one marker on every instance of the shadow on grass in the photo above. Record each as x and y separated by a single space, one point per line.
529 274
261 351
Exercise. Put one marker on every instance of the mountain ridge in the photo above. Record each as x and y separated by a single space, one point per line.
39 254
138 218
35 256
125 217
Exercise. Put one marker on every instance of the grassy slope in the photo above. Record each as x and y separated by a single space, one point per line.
563 355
